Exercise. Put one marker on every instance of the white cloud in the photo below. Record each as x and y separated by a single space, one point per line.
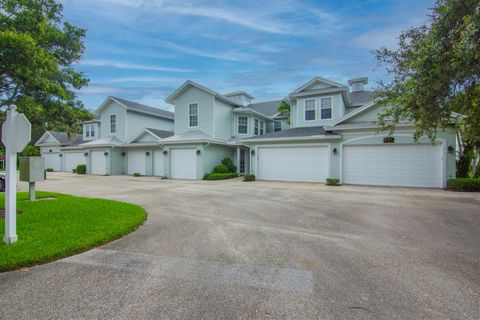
126 65
166 80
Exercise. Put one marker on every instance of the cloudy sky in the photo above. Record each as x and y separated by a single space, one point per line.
143 49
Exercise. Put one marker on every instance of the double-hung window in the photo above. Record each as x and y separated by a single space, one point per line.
256 127
277 126
113 123
262 127
193 114
310 109
242 125
326 108
92 130
87 131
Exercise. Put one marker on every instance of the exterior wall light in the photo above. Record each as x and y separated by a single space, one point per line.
450 149
253 152
106 153
123 154
165 152
198 152
147 153
60 155
50 150
334 151
86 154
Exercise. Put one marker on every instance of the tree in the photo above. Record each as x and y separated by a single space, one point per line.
284 109
37 51
435 75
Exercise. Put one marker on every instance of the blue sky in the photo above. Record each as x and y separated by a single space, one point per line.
142 50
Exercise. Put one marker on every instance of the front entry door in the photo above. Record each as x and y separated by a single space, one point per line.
242 161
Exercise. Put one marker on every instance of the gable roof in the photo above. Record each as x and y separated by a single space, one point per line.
360 98
107 142
355 112
171 98
62 138
137 107
157 134
319 79
191 136
238 93
300 132
267 108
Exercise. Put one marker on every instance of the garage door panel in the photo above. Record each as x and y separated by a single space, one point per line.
73 159
183 164
98 162
136 162
298 163
393 165
53 161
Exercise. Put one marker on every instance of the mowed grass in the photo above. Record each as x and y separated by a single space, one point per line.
51 229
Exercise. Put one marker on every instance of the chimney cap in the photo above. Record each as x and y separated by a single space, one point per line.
363 80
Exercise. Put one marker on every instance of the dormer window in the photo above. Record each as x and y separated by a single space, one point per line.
92 130
277 126
113 123
262 127
242 125
256 126
87 131
193 114
326 108
309 109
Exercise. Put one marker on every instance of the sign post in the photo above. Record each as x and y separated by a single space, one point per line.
16 134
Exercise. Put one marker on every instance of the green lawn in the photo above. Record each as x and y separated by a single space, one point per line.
51 229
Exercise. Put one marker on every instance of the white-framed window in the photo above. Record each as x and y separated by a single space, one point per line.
277 126
113 123
92 130
256 127
87 131
242 125
193 114
262 127
309 109
326 108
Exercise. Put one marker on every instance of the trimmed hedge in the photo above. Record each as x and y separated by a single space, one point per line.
137 174
49 170
81 169
221 168
228 162
249 177
464 184
219 176
333 182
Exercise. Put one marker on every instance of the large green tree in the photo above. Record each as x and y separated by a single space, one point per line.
37 51
435 75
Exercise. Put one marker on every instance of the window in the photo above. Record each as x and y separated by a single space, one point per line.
113 123
242 125
262 127
256 127
193 114
326 108
310 109
277 126
242 161
87 131
92 130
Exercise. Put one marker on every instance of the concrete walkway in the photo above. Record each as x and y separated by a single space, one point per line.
263 250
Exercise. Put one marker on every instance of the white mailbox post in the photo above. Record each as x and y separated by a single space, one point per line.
16 134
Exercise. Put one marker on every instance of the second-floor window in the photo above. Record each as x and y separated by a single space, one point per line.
277 126
262 127
310 109
113 123
87 131
242 125
92 130
256 127
326 108
193 114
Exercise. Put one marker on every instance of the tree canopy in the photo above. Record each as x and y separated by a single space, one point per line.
37 51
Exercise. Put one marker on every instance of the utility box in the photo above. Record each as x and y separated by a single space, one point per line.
32 169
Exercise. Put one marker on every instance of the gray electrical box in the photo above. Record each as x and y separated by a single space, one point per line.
32 169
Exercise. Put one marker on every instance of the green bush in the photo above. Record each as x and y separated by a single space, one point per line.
49 170
74 170
464 184
249 177
219 176
228 162
221 168
81 169
137 174
333 182
31 151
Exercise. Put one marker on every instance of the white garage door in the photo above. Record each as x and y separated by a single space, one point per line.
136 162
295 163
183 164
394 165
52 160
99 162
72 160
158 168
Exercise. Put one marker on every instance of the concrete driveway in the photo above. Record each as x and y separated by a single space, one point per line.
263 250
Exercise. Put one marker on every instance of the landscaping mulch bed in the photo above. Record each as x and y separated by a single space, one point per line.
2 213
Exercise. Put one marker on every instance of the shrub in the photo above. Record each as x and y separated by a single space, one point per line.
219 176
81 169
228 162
333 182
249 177
137 174
464 184
49 169
31 151
221 168
74 170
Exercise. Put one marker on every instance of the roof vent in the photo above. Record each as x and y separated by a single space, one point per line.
358 83
241 97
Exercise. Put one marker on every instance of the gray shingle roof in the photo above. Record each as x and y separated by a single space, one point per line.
268 108
135 106
161 133
359 98
295 132
64 139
